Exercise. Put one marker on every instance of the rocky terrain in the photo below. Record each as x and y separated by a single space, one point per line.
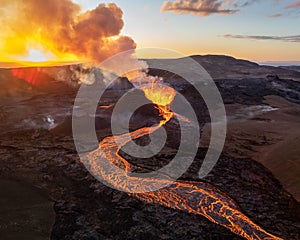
262 105
294 68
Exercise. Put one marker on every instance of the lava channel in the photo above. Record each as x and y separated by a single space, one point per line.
194 197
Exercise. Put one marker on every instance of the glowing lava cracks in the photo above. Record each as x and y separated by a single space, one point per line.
195 197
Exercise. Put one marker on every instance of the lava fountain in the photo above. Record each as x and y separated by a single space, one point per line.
194 197
162 97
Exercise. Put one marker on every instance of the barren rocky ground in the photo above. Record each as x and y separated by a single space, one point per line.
258 168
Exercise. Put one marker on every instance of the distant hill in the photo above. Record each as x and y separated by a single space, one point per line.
23 83
19 83
293 68
226 67
218 66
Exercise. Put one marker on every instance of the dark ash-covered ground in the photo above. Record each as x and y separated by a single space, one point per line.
86 209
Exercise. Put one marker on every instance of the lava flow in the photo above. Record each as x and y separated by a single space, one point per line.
194 197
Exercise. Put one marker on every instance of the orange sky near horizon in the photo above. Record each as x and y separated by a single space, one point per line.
253 34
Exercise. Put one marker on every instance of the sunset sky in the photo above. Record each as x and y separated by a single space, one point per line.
191 32
258 30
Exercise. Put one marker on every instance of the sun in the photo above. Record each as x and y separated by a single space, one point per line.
37 55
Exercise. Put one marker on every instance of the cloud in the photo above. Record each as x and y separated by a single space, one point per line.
294 38
246 3
276 15
208 7
62 28
198 7
295 4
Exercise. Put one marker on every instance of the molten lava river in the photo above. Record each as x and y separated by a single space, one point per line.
194 197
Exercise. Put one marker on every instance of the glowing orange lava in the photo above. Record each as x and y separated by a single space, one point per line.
165 113
162 97
194 197
159 95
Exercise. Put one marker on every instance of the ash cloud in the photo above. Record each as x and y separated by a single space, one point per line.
61 28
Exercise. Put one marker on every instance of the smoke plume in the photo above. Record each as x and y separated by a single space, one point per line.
60 27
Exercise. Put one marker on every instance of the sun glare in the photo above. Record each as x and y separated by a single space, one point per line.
36 55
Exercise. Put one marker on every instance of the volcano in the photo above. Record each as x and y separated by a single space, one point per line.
245 196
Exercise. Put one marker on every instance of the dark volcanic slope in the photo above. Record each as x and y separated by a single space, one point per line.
225 67
293 68
86 209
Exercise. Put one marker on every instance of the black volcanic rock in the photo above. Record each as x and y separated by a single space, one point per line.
293 68
31 80
226 67
223 60
86 209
